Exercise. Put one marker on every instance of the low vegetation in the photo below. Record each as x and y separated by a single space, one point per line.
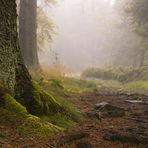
124 78
122 74
50 111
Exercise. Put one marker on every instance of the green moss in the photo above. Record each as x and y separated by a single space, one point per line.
73 113
60 120
13 106
34 126
56 110
43 103
68 119
15 115
2 134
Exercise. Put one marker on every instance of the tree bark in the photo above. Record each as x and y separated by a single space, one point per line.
8 43
28 33
13 73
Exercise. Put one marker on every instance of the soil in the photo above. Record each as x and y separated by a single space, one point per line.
99 128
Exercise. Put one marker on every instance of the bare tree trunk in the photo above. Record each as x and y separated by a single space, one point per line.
142 57
28 33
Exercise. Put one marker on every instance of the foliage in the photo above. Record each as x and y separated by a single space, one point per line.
135 15
122 74
106 73
46 27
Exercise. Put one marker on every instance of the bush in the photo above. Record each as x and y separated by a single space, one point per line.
122 74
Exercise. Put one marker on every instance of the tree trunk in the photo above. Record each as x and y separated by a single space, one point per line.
142 57
13 73
28 33
8 43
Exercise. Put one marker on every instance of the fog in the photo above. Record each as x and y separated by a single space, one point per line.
90 33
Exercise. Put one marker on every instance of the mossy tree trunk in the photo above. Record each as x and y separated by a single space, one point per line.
28 33
8 43
13 73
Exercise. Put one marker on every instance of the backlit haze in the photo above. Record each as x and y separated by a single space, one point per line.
89 34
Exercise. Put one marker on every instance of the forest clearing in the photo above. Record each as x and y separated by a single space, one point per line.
73 74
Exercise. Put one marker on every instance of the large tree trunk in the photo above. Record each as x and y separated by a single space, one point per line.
8 43
28 33
13 73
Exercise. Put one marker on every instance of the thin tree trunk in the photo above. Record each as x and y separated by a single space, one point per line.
142 58
28 33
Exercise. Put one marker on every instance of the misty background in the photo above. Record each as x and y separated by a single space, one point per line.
90 33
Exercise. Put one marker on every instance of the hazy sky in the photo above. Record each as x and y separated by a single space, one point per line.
87 33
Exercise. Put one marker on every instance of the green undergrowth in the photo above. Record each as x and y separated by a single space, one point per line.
137 87
131 87
14 115
122 74
65 85
108 83
79 85
53 107
62 89
54 115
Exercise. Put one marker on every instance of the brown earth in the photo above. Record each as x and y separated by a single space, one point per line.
107 128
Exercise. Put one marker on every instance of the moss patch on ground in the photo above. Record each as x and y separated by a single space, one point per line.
54 114
2 134
37 126
15 116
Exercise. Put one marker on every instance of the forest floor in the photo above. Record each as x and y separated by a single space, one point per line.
122 124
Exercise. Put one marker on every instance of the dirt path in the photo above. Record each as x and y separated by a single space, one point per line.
113 130
107 128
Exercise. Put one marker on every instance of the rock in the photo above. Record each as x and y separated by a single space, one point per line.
126 137
134 101
101 105
83 144
104 106
94 114
73 136
108 110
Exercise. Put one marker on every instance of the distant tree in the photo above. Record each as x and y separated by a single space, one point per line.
45 30
136 12
30 39
27 33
